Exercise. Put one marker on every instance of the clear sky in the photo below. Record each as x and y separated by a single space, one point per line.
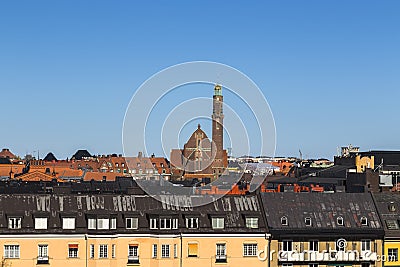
330 70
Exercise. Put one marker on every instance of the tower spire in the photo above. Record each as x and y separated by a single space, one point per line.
218 130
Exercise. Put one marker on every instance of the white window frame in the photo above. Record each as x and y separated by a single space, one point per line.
132 223
103 223
340 221
92 250
165 223
41 223
68 223
192 223
113 250
103 251
153 223
175 251
14 223
313 245
113 223
43 251
165 251
287 245
11 251
73 252
154 251
364 221
250 250
308 221
92 225
252 222
133 251
366 245
284 221
220 249
218 223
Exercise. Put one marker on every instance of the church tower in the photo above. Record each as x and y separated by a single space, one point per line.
218 131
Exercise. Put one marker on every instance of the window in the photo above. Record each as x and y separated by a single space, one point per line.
313 245
113 223
11 251
103 223
284 220
154 251
132 223
40 223
91 251
175 223
365 245
287 264
217 223
339 221
393 254
168 223
287 245
68 223
252 223
192 223
133 253
250 250
103 251
164 251
392 224
113 251
193 249
14 223
175 251
307 221
364 221
153 223
73 251
313 265
43 256
91 223
220 253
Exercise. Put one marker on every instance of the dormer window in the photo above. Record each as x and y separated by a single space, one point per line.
307 221
364 221
339 221
284 220
392 207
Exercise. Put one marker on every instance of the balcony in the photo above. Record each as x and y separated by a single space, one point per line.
43 260
327 256
220 259
133 260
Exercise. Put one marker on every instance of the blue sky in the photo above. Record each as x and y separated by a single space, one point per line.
330 70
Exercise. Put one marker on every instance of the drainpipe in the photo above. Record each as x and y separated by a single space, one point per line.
181 256
86 254
269 250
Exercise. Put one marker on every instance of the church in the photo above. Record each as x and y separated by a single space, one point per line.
200 156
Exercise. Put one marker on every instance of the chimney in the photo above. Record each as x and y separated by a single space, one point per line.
140 154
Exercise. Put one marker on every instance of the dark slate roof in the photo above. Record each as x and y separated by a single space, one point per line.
389 157
323 209
5 161
233 209
390 218
80 154
50 157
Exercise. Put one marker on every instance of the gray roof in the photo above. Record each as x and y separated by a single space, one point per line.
323 209
388 206
55 206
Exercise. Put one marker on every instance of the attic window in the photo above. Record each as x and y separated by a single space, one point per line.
364 221
307 221
339 221
392 207
284 220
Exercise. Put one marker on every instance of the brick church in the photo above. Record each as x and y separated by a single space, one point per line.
200 156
